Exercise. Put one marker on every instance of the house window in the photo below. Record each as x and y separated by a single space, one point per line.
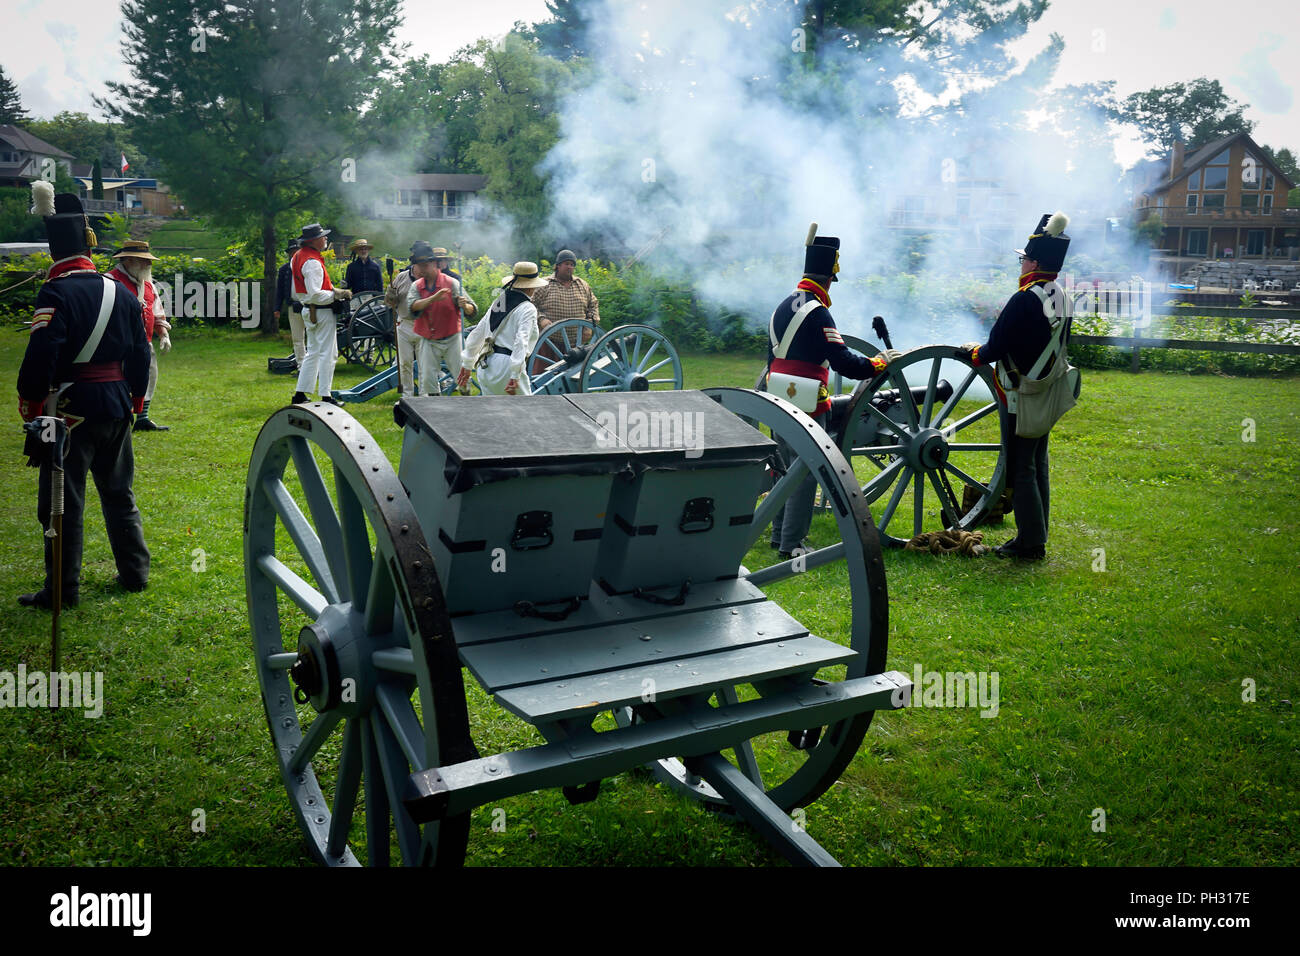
1213 202
1216 177
1250 204
1194 180
1192 199
1220 160
8 157
1268 182
1197 241
1268 205
1255 242
1251 171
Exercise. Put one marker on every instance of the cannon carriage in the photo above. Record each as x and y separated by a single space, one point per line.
586 569
933 468
365 336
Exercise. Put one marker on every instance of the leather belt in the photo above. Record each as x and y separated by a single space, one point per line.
502 350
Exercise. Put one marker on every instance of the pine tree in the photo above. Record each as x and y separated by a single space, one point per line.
97 181
11 105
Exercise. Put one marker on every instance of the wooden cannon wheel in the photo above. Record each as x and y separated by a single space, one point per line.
367 336
359 677
555 342
797 766
631 358
929 446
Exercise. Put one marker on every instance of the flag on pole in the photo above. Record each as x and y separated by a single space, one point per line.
125 164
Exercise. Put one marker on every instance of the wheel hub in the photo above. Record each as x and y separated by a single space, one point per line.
638 383
927 449
333 669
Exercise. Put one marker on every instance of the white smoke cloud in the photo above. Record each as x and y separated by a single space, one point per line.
699 135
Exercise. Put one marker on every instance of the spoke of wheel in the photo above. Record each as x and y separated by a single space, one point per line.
743 750
878 450
402 722
601 388
806 562
972 418
974 447
379 598
303 536
657 366
917 516
356 541
316 735
603 370
322 511
894 499
874 488
948 507
905 395
395 772
967 478
885 420
953 399
345 791
639 362
775 500
376 798
309 600
930 388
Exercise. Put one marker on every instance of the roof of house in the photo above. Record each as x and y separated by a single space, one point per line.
1210 150
458 182
26 141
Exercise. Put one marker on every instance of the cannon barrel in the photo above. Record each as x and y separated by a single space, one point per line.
890 396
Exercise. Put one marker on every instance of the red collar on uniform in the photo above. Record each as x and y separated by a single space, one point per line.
807 285
1034 278
71 264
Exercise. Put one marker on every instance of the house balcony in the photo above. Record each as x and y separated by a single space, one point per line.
102 205
437 213
1218 215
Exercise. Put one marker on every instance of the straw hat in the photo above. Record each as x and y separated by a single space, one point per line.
360 244
524 277
134 249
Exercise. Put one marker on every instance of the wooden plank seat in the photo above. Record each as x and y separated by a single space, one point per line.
601 656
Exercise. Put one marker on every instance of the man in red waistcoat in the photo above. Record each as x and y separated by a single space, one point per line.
436 301
312 287
134 271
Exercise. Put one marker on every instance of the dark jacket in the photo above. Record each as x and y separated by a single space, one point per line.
283 288
364 276
1022 331
818 341
66 312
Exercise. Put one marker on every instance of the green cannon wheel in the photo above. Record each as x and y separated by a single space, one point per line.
352 643
797 766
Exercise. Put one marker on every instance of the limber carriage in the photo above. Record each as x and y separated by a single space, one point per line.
585 567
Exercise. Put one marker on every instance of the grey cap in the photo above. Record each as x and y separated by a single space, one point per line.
565 255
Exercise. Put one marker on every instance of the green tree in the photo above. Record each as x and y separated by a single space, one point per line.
499 104
11 104
1285 161
97 181
252 107
1196 113
564 35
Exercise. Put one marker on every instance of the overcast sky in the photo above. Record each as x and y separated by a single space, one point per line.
65 52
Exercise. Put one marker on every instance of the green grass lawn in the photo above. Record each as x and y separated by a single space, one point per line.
1121 690
185 236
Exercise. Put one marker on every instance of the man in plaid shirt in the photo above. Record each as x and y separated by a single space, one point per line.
565 296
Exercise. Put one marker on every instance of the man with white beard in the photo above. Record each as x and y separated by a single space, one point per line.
134 271
500 344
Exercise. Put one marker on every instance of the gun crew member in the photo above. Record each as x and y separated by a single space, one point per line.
363 273
314 291
135 272
1021 336
803 344
435 301
87 360
284 300
566 296
500 344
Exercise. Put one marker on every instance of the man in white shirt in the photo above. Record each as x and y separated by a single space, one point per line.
501 343
313 288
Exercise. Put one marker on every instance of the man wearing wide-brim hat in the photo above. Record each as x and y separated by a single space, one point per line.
320 300
500 344
396 298
363 273
134 271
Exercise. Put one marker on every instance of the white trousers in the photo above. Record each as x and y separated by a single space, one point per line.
408 343
299 336
322 352
433 352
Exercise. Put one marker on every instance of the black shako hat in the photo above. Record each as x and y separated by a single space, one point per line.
1048 243
66 226
821 255
312 231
